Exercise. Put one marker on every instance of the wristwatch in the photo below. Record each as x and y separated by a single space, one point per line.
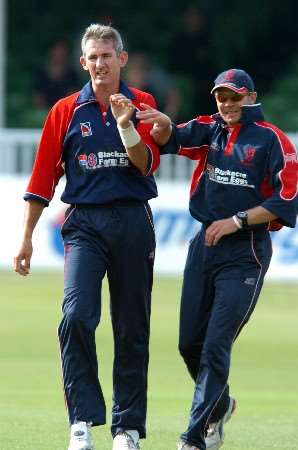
242 217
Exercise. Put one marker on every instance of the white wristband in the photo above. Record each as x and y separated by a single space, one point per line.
129 136
237 223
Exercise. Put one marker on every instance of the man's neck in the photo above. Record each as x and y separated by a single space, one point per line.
103 93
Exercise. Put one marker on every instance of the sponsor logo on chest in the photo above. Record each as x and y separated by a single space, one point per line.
103 159
228 176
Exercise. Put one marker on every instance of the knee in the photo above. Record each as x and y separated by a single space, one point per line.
75 321
217 357
191 354
189 348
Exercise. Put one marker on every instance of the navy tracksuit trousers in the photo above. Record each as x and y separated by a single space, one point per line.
118 240
220 289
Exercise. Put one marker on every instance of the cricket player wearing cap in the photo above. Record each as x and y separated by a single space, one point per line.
244 185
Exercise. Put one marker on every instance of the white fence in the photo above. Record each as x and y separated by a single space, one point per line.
17 151
173 224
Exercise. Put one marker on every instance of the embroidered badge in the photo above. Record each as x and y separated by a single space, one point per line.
86 129
249 154
230 75
92 160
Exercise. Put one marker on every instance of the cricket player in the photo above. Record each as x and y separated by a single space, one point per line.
244 185
108 158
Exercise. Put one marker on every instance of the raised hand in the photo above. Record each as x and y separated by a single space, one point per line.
162 128
122 109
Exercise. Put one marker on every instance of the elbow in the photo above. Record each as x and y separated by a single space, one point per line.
144 170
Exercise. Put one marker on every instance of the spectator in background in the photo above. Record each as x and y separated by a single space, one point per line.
57 79
144 75
192 43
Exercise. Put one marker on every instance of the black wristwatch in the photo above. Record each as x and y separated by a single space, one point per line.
242 216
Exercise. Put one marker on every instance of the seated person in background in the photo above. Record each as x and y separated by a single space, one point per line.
56 79
141 73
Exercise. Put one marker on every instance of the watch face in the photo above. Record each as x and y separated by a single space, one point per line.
242 215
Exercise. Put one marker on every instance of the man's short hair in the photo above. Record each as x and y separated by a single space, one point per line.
99 31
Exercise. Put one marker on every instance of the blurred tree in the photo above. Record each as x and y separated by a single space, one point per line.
280 106
260 37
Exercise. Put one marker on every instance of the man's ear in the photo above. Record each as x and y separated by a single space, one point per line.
123 58
83 63
252 98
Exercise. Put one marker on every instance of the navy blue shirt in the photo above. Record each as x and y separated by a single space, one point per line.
251 164
80 138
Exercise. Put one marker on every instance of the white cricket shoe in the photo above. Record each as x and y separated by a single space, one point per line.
185 446
215 433
124 441
80 436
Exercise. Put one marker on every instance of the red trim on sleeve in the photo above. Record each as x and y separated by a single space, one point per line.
47 169
194 153
208 120
205 119
144 129
288 175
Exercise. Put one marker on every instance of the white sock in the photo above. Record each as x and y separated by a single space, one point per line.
134 434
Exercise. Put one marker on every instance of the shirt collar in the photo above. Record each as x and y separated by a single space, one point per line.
250 114
87 94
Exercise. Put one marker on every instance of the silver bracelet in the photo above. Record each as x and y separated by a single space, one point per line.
237 223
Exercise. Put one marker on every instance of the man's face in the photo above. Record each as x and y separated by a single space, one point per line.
229 104
102 62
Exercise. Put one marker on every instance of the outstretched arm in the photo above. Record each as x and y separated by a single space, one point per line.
21 262
162 127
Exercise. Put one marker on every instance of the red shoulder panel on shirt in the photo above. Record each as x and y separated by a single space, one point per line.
208 120
47 169
288 175
205 119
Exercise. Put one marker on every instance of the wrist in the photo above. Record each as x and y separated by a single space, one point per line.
242 217
237 222
27 240
129 135
124 125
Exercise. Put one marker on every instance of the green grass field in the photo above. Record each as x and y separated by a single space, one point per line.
263 377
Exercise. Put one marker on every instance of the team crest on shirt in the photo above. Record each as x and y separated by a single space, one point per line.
249 154
86 129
